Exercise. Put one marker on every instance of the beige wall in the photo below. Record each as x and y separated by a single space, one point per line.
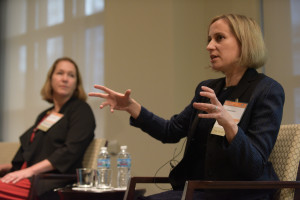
157 49
280 65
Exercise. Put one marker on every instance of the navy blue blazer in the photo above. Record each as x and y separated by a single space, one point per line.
246 158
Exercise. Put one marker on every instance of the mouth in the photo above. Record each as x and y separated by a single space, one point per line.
63 86
213 57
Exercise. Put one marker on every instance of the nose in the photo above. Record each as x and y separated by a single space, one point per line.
210 46
65 77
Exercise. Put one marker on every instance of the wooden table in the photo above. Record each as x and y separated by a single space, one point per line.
71 194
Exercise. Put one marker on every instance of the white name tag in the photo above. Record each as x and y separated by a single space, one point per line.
49 121
236 110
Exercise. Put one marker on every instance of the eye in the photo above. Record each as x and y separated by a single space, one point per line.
71 75
59 72
219 38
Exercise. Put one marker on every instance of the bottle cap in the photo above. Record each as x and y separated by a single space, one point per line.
123 147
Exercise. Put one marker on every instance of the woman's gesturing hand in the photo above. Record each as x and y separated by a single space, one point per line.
215 110
117 101
114 99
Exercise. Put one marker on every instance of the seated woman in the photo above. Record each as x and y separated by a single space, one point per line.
231 124
59 137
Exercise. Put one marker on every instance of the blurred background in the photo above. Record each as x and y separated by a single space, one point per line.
156 48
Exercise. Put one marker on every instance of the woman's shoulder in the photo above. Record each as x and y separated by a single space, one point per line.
76 101
76 104
270 79
268 82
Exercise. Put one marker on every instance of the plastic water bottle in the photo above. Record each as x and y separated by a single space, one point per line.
103 165
123 165
103 160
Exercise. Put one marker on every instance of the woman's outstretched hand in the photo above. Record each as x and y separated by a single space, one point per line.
117 101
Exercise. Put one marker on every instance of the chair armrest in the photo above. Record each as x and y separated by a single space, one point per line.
36 178
190 186
129 194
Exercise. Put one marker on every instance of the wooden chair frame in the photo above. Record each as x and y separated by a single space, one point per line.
48 176
130 192
190 186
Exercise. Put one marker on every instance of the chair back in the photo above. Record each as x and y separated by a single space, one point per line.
285 157
10 149
91 153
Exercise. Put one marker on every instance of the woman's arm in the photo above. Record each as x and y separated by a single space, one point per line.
38 168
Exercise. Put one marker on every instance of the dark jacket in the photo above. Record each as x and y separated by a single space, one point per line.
63 144
246 158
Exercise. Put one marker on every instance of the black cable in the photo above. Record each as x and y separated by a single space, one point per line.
171 164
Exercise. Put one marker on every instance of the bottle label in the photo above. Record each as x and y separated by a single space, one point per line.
124 162
103 163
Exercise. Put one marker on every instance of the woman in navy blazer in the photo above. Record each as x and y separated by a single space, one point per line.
241 149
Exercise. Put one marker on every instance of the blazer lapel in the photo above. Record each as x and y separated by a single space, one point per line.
242 92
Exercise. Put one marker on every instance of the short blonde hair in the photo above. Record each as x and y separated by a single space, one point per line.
249 37
47 92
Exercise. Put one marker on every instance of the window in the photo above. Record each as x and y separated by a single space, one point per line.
37 33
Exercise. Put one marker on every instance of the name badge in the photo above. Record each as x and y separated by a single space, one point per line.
49 121
236 110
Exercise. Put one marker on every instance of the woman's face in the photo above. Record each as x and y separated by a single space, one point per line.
223 47
64 80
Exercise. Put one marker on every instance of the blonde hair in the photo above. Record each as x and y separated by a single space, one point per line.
47 91
249 37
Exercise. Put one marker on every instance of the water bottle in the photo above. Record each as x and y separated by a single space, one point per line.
123 165
103 160
103 163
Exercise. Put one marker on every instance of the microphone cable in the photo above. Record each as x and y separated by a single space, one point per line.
173 162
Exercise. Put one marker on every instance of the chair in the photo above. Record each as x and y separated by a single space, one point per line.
130 192
285 158
89 161
10 150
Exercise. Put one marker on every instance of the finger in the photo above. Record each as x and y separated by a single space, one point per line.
209 116
100 87
104 104
209 108
103 88
205 88
208 91
127 93
209 95
214 108
7 180
16 180
202 106
107 104
97 94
